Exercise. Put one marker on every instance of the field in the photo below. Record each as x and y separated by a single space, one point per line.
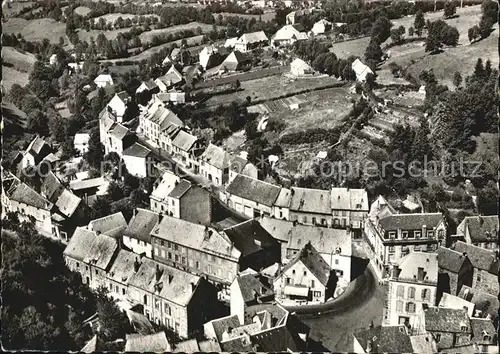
10 8
11 76
269 88
110 35
82 10
20 61
146 36
266 16
37 30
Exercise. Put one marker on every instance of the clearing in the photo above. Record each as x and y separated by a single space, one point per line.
82 10
205 28
110 35
19 60
11 76
37 30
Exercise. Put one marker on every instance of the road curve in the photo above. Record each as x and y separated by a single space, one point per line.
358 292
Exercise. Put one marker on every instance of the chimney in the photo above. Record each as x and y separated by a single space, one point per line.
158 272
395 272
160 216
481 221
136 264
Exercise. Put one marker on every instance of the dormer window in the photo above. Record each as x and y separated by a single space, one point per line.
430 234
418 234
463 328
392 234
405 234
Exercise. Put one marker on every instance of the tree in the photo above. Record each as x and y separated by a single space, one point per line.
411 31
381 29
487 199
479 69
439 33
421 146
489 17
373 51
113 323
100 208
68 148
397 34
474 33
450 8
37 122
419 23
95 153
457 79
370 80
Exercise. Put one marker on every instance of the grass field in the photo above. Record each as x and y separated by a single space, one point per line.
110 35
11 76
146 36
13 7
21 61
267 16
82 10
37 30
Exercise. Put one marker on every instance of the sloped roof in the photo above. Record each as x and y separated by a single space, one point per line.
250 286
349 199
150 84
220 325
237 164
27 195
81 138
284 198
313 261
187 346
184 140
236 57
411 221
195 236
450 259
456 302
289 32
80 244
439 319
166 185
480 258
387 339
102 251
253 37
378 205
36 146
410 263
181 188
123 267
67 203
51 187
209 346
300 64
124 96
310 200
253 189
156 343
104 78
249 237
87 183
482 327
360 69
172 77
230 42
487 303
137 150
216 156
481 228
141 225
107 223
163 117
119 131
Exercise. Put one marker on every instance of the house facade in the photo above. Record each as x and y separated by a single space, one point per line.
118 105
288 35
249 41
137 234
214 164
191 203
36 151
159 198
138 160
455 270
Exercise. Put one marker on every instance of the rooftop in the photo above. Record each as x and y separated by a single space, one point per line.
313 261
27 195
80 244
480 258
488 304
310 200
249 237
123 267
187 346
438 319
141 225
251 287
88 183
450 259
254 190
411 221
483 331
216 156
107 223
418 267
156 343
167 184
455 302
392 339
102 251
137 150
184 140
67 203
253 37
180 188
480 228
220 325
51 187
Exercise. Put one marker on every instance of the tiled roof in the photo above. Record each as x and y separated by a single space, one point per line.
27 195
480 258
156 343
438 319
300 64
481 228
36 146
230 42
124 96
284 198
483 331
123 267
450 259
391 339
254 190
116 233
350 199
220 325
80 244
141 225
455 302
177 285
410 263
209 346
313 261
195 236
172 77
104 78
289 32
184 140
137 150
51 187
249 237
166 185
423 343
87 183
360 69
378 205
253 37
187 346
180 188
119 131
150 84
250 287
486 303
310 200
411 221
67 203
107 223
102 251
216 156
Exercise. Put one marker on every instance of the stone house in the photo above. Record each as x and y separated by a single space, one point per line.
455 270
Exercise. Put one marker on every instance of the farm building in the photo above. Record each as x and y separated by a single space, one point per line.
172 78
361 70
81 142
250 41
234 62
300 68
322 26
212 56
147 86
231 42
103 80
288 35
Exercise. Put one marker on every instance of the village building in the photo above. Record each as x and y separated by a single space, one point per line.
450 328
185 147
148 86
153 343
392 236
36 151
172 78
230 42
306 277
159 125
195 248
138 160
455 271
481 231
174 96
240 165
118 139
321 27
298 67
76 252
159 201
387 339
118 105
361 70
211 56
81 143
248 290
455 302
89 189
214 164
484 336
236 61
190 202
137 235
412 288
249 41
288 35
485 264
485 305
334 245
103 80
108 224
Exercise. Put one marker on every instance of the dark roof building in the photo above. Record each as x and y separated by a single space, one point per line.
141 225
382 339
480 258
255 190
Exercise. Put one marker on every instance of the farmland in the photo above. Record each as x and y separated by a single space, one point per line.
110 35
37 30
146 36
12 76
20 61
12 8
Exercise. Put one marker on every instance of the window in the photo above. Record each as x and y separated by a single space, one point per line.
305 273
410 307
157 251
441 233
312 284
304 219
163 253
392 234
400 291
288 280
177 258
430 233
437 337
344 222
78 264
317 293
392 249
337 261
293 271
197 265
323 221
162 243
344 213
110 286
96 272
157 304
145 299
86 267
169 255
314 221
336 213
478 277
336 222
405 234
169 245
183 260
123 291
425 294
117 290
209 269
176 247
411 292
399 306
418 234
167 309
